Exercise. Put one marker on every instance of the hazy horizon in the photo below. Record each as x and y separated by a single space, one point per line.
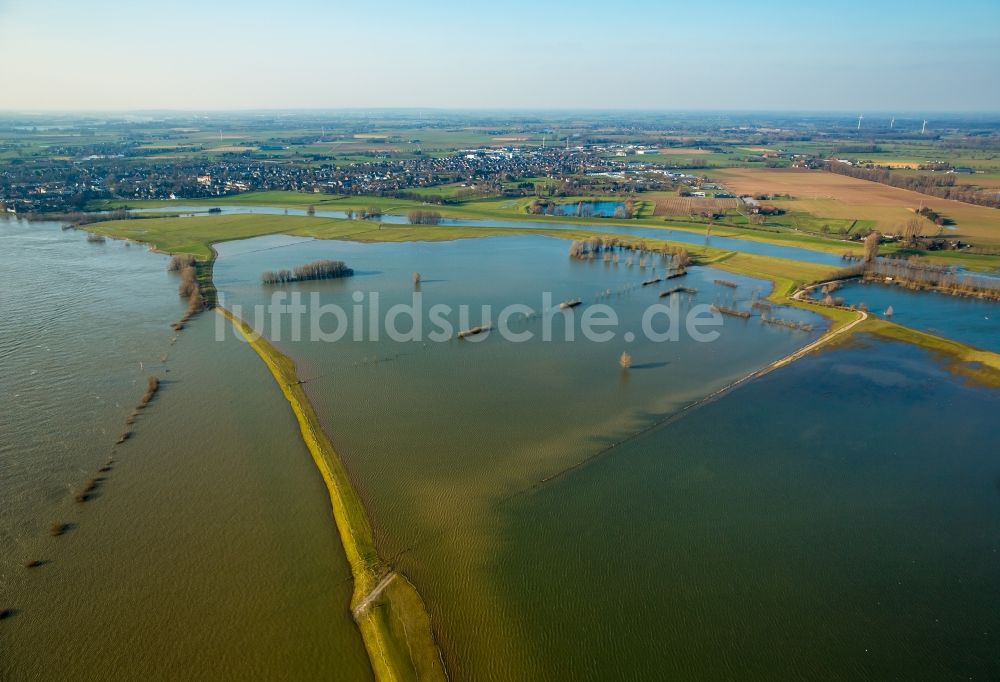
109 56
851 114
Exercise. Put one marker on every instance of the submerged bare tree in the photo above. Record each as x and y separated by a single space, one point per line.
152 386
681 259
189 281
916 274
180 261
189 287
424 217
320 269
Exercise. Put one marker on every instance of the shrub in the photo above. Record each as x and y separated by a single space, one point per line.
152 386
180 261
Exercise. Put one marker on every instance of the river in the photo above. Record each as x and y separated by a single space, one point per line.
838 518
210 545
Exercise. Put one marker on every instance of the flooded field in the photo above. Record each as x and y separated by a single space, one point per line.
211 530
969 320
442 438
554 222
557 517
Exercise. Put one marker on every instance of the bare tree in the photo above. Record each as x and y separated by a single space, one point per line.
320 269
871 246
424 217
913 229
180 261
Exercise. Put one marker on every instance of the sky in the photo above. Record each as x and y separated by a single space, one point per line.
105 55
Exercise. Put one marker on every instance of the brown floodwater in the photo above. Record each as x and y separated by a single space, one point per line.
210 545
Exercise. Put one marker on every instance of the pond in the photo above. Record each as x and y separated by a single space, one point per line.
589 209
969 320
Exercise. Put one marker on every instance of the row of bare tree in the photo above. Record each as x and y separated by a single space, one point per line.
190 288
942 186
320 269
424 217
916 274
675 258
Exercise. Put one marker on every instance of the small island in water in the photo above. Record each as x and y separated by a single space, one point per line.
320 269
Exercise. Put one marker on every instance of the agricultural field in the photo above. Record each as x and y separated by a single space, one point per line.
985 180
684 151
670 205
827 195
674 157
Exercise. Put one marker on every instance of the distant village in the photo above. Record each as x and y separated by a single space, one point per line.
71 184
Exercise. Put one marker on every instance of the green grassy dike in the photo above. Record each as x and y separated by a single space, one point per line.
981 367
393 620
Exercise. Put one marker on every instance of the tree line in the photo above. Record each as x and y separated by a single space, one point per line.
941 186
190 287
370 213
320 269
916 274
424 217
674 258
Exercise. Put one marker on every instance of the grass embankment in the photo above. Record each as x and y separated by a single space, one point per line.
387 608
206 282
516 210
196 235
493 209
787 276
980 366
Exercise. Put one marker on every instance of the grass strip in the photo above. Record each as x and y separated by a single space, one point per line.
388 610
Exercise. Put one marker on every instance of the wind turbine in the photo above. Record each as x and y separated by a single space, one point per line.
924 128
860 118
892 122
